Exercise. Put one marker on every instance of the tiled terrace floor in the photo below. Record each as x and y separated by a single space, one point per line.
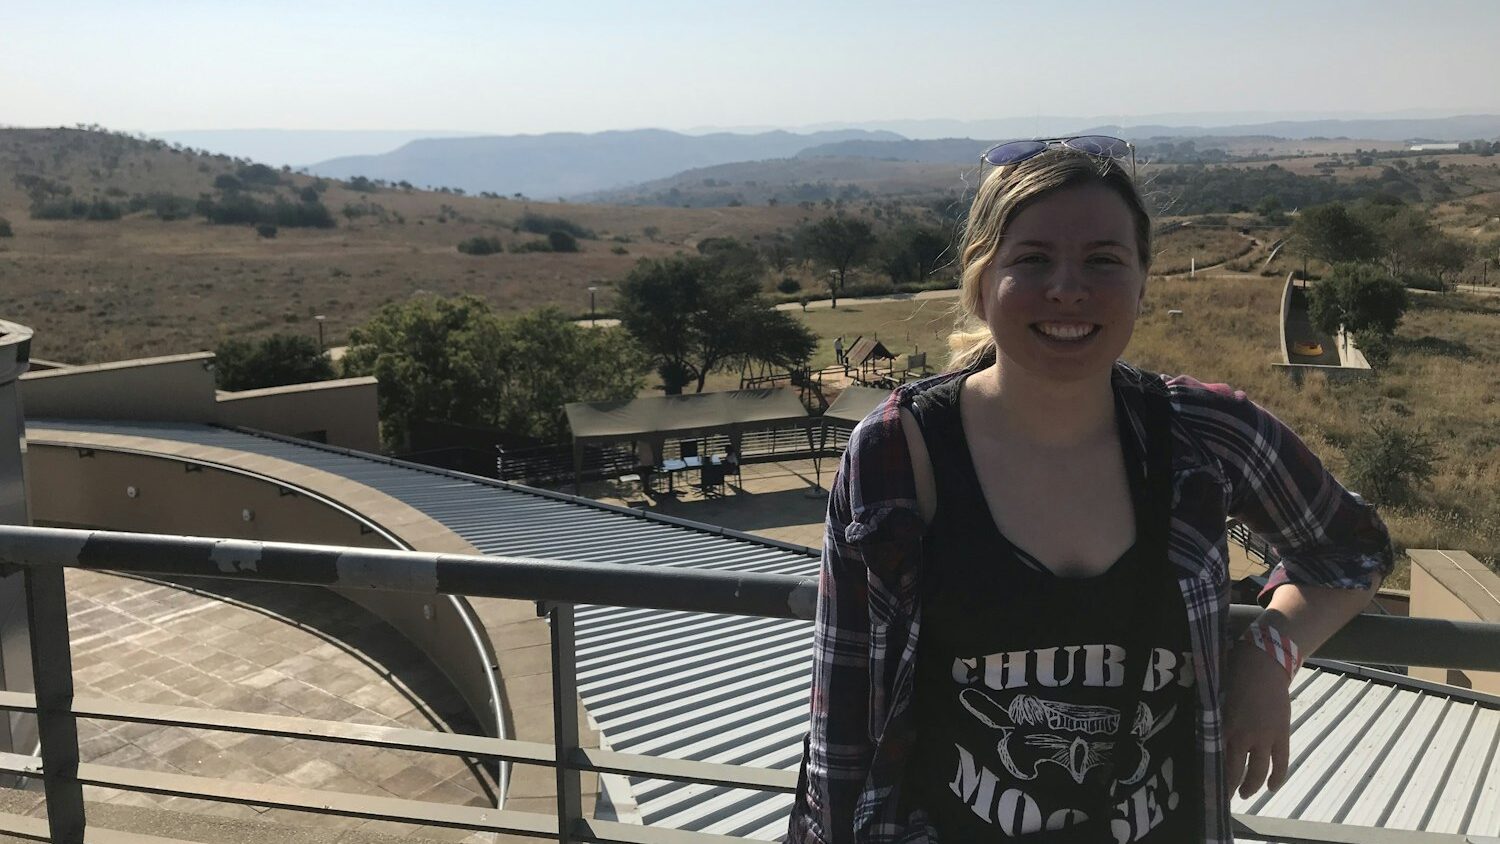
150 642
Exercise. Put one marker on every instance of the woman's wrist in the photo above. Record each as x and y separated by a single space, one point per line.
1270 640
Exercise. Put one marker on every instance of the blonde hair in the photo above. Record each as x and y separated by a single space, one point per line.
1003 194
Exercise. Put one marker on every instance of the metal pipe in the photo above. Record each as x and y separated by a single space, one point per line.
1368 639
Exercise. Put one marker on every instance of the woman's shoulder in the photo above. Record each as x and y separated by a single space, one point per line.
1190 396
881 429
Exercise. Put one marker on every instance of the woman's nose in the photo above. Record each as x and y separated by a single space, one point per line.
1067 285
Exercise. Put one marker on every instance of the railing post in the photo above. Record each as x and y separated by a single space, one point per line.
52 669
565 722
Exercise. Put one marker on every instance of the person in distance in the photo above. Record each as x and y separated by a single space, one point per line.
1022 623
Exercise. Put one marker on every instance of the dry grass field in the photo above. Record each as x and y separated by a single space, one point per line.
1444 380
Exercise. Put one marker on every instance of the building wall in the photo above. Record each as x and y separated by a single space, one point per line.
91 489
17 730
1453 585
342 413
179 388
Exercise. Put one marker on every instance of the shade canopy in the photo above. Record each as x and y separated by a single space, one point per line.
854 404
867 351
695 414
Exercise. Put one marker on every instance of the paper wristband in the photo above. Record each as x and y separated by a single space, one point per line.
1280 648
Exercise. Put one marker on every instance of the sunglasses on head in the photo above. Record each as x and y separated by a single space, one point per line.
1015 152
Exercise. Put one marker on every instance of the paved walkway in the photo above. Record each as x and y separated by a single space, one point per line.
237 649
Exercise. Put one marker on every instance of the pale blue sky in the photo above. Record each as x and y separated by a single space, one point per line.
510 67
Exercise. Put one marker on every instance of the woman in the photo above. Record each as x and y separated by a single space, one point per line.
1022 628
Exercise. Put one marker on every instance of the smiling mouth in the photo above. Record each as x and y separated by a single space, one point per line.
1066 332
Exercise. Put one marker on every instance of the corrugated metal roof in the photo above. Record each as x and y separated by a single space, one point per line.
1368 749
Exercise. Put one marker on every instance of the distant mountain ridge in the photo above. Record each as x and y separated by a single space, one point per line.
569 164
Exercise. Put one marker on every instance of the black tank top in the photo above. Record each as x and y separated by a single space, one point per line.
1020 679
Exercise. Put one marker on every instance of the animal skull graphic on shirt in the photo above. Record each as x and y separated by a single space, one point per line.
1079 737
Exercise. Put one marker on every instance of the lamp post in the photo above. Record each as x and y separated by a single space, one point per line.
592 291
321 347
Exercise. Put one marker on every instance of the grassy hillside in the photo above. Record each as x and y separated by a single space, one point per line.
102 290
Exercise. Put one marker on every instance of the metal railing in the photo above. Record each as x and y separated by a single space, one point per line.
42 554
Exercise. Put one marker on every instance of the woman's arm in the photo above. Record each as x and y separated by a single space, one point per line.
837 751
1333 548
871 542
1258 709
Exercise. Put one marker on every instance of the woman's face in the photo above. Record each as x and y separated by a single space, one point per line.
1063 291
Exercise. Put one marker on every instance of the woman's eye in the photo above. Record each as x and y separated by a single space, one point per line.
1032 258
1104 259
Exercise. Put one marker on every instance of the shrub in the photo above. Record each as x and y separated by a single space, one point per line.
1387 464
561 241
5 229
227 183
266 230
258 174
788 285
308 194
242 209
311 215
479 245
619 250
532 246
1375 346
546 224
168 207
272 362
63 208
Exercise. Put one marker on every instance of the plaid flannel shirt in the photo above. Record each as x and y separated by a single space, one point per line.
1231 458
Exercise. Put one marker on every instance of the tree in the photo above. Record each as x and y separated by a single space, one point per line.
1330 233
732 251
1388 464
454 360
776 251
275 361
694 316
561 241
481 245
1360 298
913 252
839 243
1269 208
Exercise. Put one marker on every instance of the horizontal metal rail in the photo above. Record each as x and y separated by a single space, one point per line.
42 553
1386 640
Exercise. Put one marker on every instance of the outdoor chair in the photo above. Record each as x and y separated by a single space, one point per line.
712 477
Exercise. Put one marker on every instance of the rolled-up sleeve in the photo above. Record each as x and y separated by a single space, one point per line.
1324 534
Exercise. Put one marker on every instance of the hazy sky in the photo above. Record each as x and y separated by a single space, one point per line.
508 66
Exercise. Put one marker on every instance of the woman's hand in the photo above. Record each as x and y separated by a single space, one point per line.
1257 720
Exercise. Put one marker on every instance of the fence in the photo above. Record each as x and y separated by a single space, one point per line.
43 553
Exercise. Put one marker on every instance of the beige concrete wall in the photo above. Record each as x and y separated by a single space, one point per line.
110 490
179 388
17 729
92 492
1453 585
343 412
